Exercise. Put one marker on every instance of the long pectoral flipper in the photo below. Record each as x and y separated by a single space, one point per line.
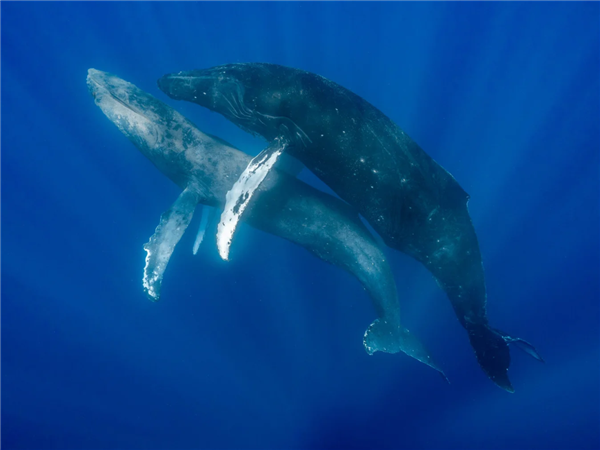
173 224
239 195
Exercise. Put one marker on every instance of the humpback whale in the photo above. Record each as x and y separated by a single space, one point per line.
414 204
205 168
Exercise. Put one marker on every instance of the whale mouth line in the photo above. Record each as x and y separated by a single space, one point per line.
129 106
102 86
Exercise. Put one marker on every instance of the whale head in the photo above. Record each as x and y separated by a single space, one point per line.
158 131
254 96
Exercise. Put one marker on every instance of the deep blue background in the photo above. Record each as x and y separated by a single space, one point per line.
266 351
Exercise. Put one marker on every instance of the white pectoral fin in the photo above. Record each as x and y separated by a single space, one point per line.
173 224
206 213
239 195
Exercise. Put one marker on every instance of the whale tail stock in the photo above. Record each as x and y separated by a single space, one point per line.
493 354
393 338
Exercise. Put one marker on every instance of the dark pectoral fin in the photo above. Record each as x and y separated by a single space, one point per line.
173 224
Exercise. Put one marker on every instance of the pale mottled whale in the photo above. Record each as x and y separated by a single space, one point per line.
415 205
205 168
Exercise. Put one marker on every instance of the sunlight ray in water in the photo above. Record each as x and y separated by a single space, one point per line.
206 212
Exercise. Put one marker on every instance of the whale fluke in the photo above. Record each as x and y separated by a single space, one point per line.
522 344
493 354
390 337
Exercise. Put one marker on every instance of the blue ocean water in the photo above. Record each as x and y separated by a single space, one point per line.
265 351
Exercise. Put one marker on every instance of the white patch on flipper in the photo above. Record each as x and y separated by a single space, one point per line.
239 195
202 230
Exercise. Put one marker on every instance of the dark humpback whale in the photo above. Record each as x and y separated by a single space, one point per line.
205 168
415 205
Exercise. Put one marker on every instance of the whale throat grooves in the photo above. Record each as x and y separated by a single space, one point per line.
238 197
